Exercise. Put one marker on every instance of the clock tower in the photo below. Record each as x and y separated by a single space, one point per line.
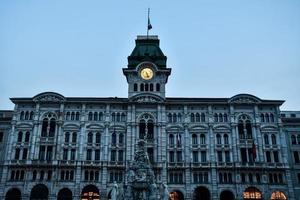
147 73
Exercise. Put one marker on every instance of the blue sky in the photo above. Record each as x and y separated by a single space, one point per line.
215 48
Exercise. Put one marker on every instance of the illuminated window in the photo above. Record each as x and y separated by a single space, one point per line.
278 196
252 193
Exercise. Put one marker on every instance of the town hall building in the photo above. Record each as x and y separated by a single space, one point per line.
76 148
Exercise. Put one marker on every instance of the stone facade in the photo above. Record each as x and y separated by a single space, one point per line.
291 128
200 148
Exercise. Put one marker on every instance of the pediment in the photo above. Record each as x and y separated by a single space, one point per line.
244 99
49 97
174 128
198 128
71 127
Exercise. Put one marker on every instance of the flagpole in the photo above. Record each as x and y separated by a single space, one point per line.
148 23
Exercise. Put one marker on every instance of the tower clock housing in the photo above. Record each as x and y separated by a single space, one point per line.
147 73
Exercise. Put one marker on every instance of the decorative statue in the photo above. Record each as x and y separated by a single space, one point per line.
115 191
153 191
165 195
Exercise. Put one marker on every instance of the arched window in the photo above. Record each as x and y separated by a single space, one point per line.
26 115
67 137
293 138
77 116
135 87
225 118
31 115
171 139
174 117
123 117
266 138
90 116
44 127
34 174
146 87
267 118
272 117
22 115
220 177
42 174
197 117
52 127
202 139
95 116
74 137
90 137
13 194
226 139
192 117
118 117
179 117
157 87
113 116
121 138
241 130
216 117
219 139
98 138
277 195
273 137
194 139
262 118
20 136
101 116
142 87
114 138
249 129
170 118
151 87
68 116
220 117
252 193
72 116
27 136
202 117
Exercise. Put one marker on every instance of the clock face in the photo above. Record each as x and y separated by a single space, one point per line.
147 73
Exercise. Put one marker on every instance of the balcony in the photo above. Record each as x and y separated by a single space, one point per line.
176 165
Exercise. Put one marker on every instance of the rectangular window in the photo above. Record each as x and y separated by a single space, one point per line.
298 176
171 156
195 156
179 156
25 151
203 156
150 154
73 154
244 155
227 156
219 154
268 156
97 154
276 158
1 136
296 157
113 155
65 154
17 154
42 153
120 155
49 153
89 154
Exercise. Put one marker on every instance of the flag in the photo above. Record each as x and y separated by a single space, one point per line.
254 150
149 24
